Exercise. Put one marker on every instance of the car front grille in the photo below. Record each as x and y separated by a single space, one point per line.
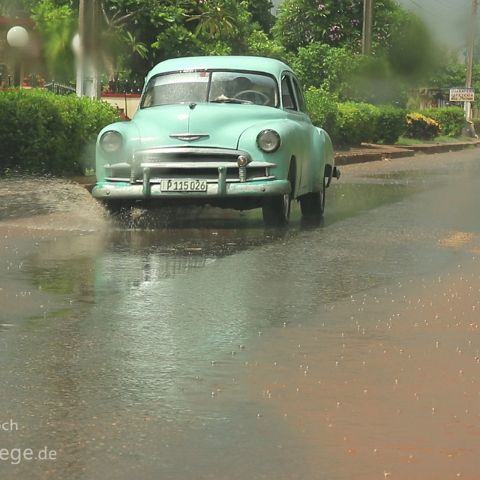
184 162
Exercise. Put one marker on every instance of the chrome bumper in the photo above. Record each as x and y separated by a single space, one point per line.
254 188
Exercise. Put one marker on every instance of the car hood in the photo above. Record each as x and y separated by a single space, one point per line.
217 125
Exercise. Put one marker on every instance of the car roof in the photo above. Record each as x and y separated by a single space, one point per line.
230 62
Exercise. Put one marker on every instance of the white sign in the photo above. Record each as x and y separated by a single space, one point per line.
462 95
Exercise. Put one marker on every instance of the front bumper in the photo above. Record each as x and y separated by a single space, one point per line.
215 190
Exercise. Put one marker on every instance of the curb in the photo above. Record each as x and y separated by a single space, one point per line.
371 152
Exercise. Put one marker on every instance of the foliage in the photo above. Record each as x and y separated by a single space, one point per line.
421 127
175 37
260 11
13 8
351 123
45 133
57 26
355 123
390 124
319 65
372 81
351 76
403 50
450 119
258 43
410 50
301 22
224 24
322 108
336 23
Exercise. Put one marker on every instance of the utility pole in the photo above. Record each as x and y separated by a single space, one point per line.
88 79
470 47
367 27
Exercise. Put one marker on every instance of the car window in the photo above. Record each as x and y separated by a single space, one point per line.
243 87
211 86
299 93
185 87
288 98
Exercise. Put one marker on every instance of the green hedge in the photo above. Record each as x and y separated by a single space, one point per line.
352 123
45 133
451 119
356 123
390 124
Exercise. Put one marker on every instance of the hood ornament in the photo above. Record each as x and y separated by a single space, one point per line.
189 137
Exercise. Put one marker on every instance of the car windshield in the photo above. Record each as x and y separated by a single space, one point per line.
211 86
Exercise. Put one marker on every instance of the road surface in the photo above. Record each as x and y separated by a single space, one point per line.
195 344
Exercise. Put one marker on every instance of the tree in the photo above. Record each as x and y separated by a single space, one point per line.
223 26
14 8
57 25
261 12
333 22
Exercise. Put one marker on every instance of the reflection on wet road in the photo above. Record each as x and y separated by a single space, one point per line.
197 344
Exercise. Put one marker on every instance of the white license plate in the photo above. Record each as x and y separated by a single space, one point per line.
183 185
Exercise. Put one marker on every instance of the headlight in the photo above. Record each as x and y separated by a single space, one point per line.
111 141
268 141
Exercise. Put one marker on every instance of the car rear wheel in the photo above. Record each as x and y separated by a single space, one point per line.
313 204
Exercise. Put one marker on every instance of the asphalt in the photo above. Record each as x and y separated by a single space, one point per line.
366 152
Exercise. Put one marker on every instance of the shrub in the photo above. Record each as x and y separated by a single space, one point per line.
353 123
421 127
356 123
323 109
451 119
44 133
391 124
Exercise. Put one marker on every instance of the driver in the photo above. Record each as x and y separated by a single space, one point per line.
242 84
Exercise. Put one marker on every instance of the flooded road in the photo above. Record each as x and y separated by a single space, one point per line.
198 345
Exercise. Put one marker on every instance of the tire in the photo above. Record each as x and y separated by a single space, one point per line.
313 204
276 210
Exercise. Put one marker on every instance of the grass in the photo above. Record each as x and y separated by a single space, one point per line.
439 139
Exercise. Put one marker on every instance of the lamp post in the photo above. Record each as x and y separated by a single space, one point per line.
17 38
86 49
470 62
367 27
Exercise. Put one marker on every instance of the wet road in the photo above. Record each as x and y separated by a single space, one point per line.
198 345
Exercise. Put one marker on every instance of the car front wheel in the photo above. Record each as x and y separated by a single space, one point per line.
276 210
313 204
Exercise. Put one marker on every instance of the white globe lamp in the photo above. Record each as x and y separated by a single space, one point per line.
76 44
17 37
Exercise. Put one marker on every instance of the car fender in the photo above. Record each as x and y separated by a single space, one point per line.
324 159
131 141
290 147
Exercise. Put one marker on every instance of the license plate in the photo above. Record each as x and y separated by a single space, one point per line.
183 185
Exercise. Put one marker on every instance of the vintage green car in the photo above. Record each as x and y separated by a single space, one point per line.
227 131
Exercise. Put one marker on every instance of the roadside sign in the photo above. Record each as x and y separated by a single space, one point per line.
462 95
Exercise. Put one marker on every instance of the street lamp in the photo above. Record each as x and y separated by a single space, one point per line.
17 37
